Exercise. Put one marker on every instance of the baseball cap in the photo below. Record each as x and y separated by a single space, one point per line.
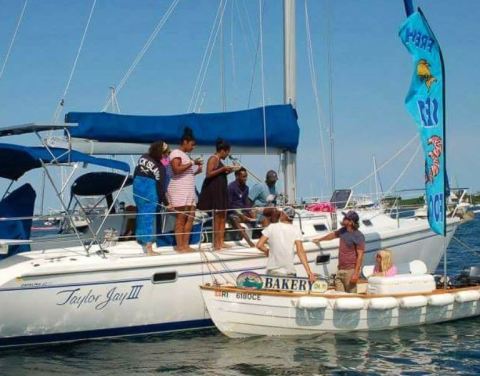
351 215
289 211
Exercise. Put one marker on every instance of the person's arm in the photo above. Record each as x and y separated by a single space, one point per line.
213 170
199 168
262 245
178 167
358 265
247 205
231 195
330 236
253 194
303 259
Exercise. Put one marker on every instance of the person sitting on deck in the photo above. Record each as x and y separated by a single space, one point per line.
350 252
240 204
263 195
284 239
384 265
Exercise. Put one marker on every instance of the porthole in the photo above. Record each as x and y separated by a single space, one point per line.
322 259
164 277
320 227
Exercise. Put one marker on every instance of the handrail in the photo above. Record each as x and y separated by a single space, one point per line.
94 236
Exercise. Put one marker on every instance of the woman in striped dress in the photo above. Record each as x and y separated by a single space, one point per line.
181 189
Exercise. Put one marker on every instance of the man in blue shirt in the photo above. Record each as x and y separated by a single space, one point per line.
265 194
239 203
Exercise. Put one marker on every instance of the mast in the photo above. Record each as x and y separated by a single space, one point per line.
378 184
289 95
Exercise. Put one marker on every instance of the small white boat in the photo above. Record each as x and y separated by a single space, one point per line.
387 303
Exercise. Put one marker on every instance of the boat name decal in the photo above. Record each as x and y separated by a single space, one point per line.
254 281
78 298
287 284
248 296
34 284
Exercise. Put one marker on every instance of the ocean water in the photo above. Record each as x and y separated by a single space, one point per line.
441 349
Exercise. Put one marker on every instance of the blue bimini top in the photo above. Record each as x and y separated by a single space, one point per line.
18 159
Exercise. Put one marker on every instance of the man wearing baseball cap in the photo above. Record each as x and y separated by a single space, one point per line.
284 239
350 252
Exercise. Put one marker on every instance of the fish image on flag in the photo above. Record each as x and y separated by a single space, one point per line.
425 101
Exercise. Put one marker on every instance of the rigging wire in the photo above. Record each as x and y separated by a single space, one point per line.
313 79
262 75
384 164
197 80
222 67
232 49
61 103
205 71
254 70
249 24
330 94
243 29
12 41
144 50
390 190
197 89
247 39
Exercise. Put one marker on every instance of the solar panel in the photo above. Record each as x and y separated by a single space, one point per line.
341 197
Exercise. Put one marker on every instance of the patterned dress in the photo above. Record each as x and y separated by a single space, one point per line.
181 189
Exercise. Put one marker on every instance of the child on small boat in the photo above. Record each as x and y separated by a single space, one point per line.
384 265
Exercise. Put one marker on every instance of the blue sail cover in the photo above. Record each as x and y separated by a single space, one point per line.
240 128
425 101
18 159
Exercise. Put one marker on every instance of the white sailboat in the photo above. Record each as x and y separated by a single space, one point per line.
109 288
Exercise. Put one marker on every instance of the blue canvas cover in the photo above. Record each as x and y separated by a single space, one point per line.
19 203
99 183
17 159
241 128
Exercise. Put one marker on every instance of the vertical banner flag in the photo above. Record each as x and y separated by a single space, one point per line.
425 102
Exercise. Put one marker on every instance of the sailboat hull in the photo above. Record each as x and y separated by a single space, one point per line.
63 295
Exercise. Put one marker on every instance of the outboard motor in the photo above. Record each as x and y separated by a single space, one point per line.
468 277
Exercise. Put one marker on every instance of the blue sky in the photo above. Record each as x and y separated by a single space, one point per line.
370 73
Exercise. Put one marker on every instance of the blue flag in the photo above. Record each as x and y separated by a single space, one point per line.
425 101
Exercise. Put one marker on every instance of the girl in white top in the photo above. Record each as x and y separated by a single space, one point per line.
181 189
